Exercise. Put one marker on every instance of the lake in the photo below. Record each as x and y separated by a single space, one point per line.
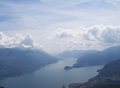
52 76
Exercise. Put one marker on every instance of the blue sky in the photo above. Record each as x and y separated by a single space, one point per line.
59 25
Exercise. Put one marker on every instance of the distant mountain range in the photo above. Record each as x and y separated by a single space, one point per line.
99 57
108 77
14 62
75 53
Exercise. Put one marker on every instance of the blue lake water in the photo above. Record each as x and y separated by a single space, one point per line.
52 76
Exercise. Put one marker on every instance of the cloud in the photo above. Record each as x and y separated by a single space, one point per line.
93 33
116 3
63 33
71 44
105 34
97 33
89 44
28 16
75 2
18 41
28 40
111 34
69 2
58 45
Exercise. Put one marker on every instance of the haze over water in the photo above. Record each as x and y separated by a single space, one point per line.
52 76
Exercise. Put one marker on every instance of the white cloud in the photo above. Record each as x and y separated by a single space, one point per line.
18 41
71 44
105 34
58 45
98 33
89 44
116 3
63 33
28 40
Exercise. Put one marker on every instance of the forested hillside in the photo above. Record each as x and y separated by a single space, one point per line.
99 58
110 74
14 62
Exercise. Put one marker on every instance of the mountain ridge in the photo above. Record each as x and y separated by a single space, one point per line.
98 58
75 53
14 62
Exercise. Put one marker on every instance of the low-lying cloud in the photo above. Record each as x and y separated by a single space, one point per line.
18 41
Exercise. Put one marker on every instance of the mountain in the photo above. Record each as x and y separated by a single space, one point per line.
99 58
109 75
7 70
14 62
106 86
75 53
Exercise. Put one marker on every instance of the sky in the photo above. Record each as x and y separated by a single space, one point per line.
55 26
